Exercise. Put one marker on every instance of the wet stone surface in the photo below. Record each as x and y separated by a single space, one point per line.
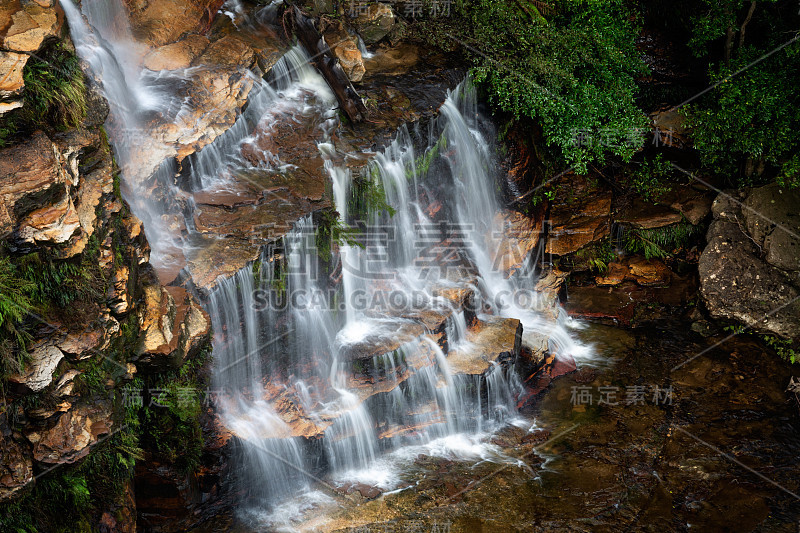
649 437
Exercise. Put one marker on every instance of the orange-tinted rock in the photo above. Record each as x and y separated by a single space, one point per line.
163 22
488 342
73 435
173 324
638 269
345 48
648 272
573 226
11 82
519 237
648 215
176 55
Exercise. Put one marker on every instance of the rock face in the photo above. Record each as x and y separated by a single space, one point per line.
750 270
45 199
24 26
575 226
58 200
73 435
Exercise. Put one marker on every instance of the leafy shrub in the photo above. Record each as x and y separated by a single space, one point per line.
571 66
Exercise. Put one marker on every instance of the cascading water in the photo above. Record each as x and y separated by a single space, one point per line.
339 379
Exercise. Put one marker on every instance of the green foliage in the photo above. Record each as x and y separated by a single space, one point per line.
745 128
650 178
54 97
368 198
422 164
573 70
331 230
660 242
751 121
62 282
788 350
15 304
598 255
171 417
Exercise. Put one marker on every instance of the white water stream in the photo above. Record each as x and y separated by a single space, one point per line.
290 373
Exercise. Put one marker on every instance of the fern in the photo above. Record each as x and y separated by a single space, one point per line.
659 242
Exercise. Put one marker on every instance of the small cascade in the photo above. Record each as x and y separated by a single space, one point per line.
356 368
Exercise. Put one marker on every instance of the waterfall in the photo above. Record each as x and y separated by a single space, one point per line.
343 374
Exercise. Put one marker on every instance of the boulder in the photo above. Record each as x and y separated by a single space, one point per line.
752 233
374 22
345 48
772 218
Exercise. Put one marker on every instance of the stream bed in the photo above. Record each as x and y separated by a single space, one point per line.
714 448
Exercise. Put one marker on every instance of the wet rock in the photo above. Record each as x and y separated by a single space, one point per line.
38 373
72 436
174 326
176 55
489 341
229 51
739 276
368 492
645 272
389 338
520 236
393 60
573 226
16 466
693 204
669 128
163 22
772 217
374 22
345 48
